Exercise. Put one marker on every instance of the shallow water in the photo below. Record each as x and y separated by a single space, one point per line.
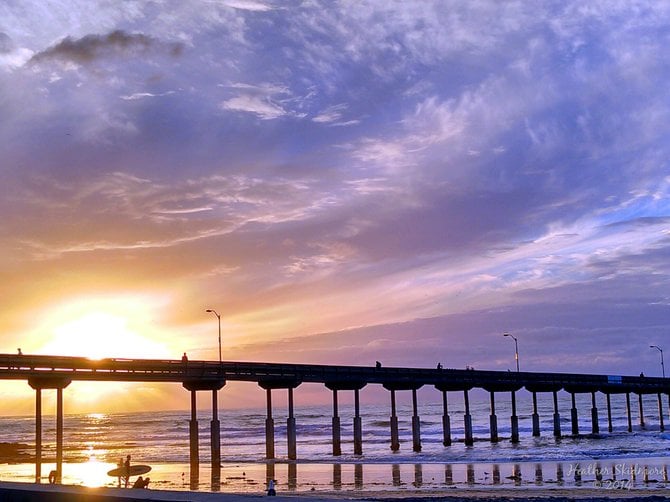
95 442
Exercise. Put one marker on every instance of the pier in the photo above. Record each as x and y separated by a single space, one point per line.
44 373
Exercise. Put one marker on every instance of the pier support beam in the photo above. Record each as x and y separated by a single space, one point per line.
48 383
639 398
446 421
395 443
595 427
493 419
358 425
515 420
610 428
38 435
193 440
416 424
661 425
269 427
467 420
215 435
557 417
574 416
337 437
290 428
194 448
59 435
535 417
628 413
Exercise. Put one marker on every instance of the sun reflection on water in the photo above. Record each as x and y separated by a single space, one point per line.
93 472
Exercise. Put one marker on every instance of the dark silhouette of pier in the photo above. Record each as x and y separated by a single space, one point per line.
57 372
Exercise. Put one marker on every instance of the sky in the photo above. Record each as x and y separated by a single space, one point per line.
343 182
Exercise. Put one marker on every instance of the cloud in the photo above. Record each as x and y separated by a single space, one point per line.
89 48
141 95
251 5
262 100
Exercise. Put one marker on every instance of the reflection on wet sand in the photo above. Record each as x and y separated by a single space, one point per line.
337 476
358 476
395 474
418 475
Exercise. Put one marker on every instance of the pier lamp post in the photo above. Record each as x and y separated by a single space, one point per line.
219 319
516 349
661 351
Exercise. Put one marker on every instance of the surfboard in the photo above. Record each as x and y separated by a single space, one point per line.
135 470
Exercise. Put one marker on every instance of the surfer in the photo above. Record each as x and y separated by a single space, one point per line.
126 464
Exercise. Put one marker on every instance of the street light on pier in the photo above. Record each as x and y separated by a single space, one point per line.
516 349
219 319
661 351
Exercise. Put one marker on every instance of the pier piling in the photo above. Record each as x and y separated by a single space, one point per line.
467 420
215 435
514 420
446 421
661 425
628 413
595 427
416 424
193 440
269 427
337 444
610 428
358 426
639 399
535 417
557 417
290 428
493 419
395 443
574 416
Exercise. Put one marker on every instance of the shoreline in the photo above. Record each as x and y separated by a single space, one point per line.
602 478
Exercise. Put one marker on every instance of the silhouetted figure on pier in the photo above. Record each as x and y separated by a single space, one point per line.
439 366
19 351
184 358
378 364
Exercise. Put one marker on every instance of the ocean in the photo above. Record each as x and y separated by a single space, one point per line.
95 442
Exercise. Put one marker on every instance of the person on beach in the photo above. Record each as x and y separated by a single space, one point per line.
141 482
119 465
126 464
271 488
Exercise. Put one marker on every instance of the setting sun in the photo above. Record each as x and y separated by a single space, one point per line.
103 327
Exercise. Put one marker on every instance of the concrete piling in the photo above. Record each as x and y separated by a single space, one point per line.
269 427
628 413
446 421
337 438
416 424
290 428
467 420
535 417
515 420
557 417
595 427
574 416
358 426
493 419
639 398
395 443
610 428
661 425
